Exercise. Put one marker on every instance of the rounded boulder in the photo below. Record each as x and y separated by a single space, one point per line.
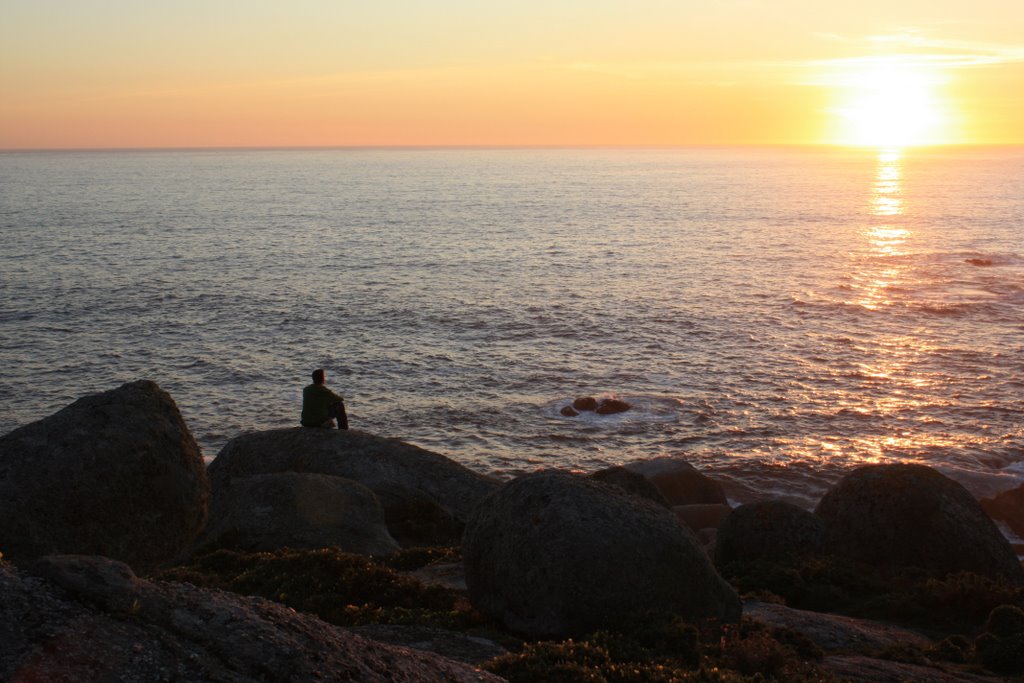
426 496
1008 507
289 509
553 555
769 530
911 515
679 482
115 474
632 482
612 406
585 403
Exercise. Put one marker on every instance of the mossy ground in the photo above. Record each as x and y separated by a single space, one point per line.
975 620
343 589
663 649
938 604
350 590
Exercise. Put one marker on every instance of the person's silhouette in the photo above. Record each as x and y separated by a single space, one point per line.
321 406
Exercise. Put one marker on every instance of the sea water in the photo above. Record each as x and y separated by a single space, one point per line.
776 316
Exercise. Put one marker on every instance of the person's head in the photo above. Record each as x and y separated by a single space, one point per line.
318 376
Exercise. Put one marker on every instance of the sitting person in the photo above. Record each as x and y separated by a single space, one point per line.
321 406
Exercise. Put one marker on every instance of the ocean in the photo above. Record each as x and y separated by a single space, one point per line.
777 316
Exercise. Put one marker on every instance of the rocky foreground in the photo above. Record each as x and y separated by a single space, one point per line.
126 559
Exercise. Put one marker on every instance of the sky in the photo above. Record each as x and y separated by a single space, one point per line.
261 73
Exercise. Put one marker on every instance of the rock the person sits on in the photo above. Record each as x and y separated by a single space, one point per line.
321 406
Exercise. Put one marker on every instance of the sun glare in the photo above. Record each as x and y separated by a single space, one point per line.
890 103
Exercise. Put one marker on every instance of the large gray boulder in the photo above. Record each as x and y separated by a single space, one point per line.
297 510
115 474
678 481
769 530
426 497
554 555
75 618
911 515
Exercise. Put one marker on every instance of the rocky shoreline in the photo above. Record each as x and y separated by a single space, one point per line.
302 554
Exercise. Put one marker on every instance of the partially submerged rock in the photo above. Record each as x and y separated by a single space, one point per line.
297 510
588 403
769 530
611 406
91 619
551 554
115 474
426 497
605 406
911 515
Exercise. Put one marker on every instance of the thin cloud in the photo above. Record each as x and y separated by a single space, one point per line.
921 49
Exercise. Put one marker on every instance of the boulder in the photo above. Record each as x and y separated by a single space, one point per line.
606 406
1007 507
116 474
426 497
679 481
585 403
414 518
633 482
611 406
553 555
911 515
701 515
770 530
832 632
297 510
80 618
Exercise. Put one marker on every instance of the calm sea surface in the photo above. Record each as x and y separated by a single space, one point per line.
778 316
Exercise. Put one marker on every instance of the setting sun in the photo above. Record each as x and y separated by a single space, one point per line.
890 103
573 73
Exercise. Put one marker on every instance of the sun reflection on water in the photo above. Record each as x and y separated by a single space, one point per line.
884 238
893 381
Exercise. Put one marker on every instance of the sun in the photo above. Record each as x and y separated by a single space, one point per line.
889 103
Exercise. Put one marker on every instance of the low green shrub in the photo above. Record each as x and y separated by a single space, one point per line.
663 649
340 588
1005 620
408 559
956 649
1004 656
942 604
583 662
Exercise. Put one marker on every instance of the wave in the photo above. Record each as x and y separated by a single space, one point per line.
887 307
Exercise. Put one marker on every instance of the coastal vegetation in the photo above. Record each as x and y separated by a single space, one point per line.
972 621
304 554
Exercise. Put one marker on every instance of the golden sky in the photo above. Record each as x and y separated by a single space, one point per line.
213 73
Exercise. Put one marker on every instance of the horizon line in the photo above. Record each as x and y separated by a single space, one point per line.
454 147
